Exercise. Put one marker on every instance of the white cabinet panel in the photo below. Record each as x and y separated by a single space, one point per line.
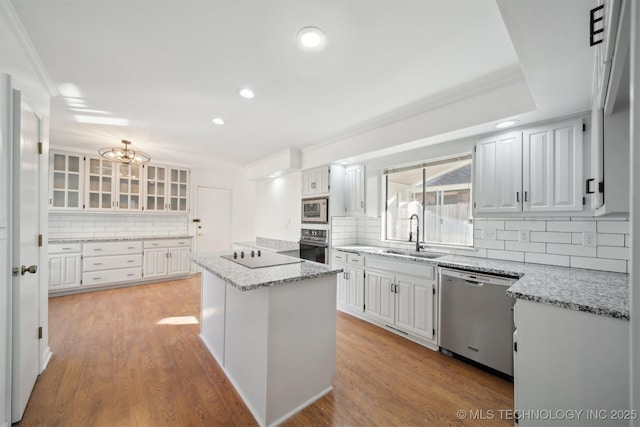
112 248
404 303
315 181
423 309
498 178
105 277
552 167
112 261
66 185
129 187
64 271
354 190
99 185
178 261
155 263
166 257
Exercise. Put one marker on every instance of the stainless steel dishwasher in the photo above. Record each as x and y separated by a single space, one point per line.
476 318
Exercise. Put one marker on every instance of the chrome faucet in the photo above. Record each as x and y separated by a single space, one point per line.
417 231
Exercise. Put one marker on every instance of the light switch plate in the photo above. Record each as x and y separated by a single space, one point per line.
589 239
524 236
489 233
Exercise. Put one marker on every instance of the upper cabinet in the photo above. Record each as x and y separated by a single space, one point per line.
498 166
167 189
80 182
535 170
66 181
354 190
315 181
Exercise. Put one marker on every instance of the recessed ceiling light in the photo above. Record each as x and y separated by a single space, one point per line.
218 121
246 93
507 124
311 38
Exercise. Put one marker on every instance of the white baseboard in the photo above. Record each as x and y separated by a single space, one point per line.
301 407
46 357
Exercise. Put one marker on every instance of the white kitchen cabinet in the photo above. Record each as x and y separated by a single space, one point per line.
65 266
156 189
178 195
354 190
406 302
129 187
552 167
99 186
315 181
111 262
350 286
498 180
534 170
166 257
66 177
568 360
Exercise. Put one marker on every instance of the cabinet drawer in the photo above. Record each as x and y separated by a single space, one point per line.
167 243
339 258
112 248
62 248
355 260
98 263
111 276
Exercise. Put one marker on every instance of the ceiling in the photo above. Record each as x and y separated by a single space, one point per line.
157 72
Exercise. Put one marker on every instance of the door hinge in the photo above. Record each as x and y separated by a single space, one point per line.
584 200
39 147
601 187
39 332
81 281
584 127
434 290
475 149
434 332
515 346
39 239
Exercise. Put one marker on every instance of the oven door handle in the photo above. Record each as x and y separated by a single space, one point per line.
308 243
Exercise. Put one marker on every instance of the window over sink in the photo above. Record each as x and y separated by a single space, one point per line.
439 192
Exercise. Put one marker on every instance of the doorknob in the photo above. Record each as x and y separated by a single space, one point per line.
31 269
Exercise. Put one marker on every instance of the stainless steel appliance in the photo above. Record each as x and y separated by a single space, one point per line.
315 211
314 245
476 318
259 259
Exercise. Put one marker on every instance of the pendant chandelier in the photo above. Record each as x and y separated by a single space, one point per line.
125 154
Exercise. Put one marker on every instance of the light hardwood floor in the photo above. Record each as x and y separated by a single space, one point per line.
132 357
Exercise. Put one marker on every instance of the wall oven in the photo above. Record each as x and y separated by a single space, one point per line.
315 211
314 245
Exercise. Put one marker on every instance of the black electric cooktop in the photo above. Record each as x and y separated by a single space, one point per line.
260 259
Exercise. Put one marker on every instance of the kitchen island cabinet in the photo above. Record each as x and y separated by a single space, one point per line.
272 330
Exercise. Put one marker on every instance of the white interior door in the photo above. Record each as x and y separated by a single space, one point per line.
26 254
213 210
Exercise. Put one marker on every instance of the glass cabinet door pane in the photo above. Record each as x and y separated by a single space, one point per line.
124 185
58 199
74 164
151 172
94 200
59 162
160 174
151 203
106 201
183 190
106 185
74 182
94 167
183 176
58 180
151 188
94 183
174 175
73 199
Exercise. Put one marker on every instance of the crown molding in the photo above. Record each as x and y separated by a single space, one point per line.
476 87
17 29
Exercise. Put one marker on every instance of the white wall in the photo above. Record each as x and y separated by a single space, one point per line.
277 208
20 68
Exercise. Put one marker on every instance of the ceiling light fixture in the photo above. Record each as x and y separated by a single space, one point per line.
311 38
507 124
218 121
124 155
246 93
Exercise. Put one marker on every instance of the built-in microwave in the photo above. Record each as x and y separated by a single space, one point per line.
315 211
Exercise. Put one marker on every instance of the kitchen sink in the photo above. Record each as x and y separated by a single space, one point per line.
412 254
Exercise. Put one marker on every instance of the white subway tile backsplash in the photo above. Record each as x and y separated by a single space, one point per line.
576 238
525 225
478 253
566 226
576 250
627 240
550 237
489 244
483 223
614 252
506 235
561 260
505 255
525 247
606 239
621 227
616 265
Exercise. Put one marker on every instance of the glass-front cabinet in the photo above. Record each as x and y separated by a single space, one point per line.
129 187
156 190
100 188
179 186
79 181
66 181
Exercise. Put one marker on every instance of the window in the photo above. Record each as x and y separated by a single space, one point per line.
439 193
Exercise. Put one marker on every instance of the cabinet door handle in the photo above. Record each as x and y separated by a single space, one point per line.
525 196
97 278
130 274
97 263
391 288
131 260
362 204
588 186
396 289
518 196
97 249
66 249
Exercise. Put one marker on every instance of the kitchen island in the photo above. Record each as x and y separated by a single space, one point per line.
272 330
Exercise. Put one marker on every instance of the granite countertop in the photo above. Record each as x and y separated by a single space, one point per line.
247 279
114 239
600 292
